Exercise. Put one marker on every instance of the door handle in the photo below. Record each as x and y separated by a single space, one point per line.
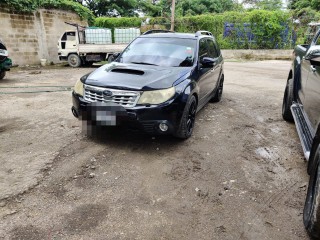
313 69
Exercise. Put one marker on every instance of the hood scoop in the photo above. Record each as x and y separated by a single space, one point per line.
127 71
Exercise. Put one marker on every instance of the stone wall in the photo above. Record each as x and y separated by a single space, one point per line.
30 38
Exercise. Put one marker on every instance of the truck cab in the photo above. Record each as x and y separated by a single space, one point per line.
67 43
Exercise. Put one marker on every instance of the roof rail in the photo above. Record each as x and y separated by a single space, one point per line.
157 31
199 33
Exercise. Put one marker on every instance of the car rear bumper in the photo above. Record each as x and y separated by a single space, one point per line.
143 118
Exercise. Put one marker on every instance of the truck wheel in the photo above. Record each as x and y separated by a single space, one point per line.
311 212
287 101
74 60
217 96
2 74
187 121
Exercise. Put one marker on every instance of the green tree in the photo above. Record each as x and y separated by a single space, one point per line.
112 8
265 4
197 7
300 4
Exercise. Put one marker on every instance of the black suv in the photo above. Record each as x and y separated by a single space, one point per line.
157 84
301 104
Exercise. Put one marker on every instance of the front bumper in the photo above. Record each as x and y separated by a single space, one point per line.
6 65
144 118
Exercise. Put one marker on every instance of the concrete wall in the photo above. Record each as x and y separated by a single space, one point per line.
30 38
265 54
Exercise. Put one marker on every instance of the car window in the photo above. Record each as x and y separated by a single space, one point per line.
203 49
71 36
317 42
173 52
213 53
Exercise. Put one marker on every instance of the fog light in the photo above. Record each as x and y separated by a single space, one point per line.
163 127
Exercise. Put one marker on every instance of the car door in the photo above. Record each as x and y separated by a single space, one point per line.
205 74
215 71
312 92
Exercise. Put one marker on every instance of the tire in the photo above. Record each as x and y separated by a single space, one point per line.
2 74
74 60
287 101
218 94
187 121
311 212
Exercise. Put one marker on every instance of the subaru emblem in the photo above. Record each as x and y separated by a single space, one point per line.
107 94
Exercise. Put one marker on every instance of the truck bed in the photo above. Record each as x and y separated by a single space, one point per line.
101 48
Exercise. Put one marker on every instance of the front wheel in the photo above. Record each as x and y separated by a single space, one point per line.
187 121
218 94
311 212
74 60
2 74
287 101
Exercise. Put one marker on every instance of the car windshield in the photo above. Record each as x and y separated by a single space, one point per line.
167 52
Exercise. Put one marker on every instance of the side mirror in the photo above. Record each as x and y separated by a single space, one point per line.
207 62
313 53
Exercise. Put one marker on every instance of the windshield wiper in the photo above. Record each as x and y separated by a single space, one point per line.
144 63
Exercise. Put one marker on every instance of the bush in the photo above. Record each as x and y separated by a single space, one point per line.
29 6
271 29
113 23
258 29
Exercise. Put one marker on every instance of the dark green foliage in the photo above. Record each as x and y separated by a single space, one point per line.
270 5
197 7
29 6
266 26
300 4
112 23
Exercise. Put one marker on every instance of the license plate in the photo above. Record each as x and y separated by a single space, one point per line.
104 114
3 52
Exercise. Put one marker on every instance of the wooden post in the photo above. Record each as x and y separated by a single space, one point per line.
173 6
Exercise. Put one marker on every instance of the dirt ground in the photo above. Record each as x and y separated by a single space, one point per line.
241 175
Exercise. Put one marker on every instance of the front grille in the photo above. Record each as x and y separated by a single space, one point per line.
125 98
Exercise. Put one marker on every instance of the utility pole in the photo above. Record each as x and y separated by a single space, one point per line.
173 6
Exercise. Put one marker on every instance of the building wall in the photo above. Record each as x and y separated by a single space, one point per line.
30 38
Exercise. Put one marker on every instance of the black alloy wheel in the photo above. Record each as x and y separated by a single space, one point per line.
218 94
287 101
187 121
191 117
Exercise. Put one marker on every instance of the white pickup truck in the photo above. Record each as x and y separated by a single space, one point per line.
85 45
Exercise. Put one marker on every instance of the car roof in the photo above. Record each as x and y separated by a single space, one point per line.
174 35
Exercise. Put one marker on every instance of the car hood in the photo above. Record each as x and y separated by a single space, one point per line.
136 76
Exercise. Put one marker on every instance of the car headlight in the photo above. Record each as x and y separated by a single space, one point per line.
157 96
78 88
